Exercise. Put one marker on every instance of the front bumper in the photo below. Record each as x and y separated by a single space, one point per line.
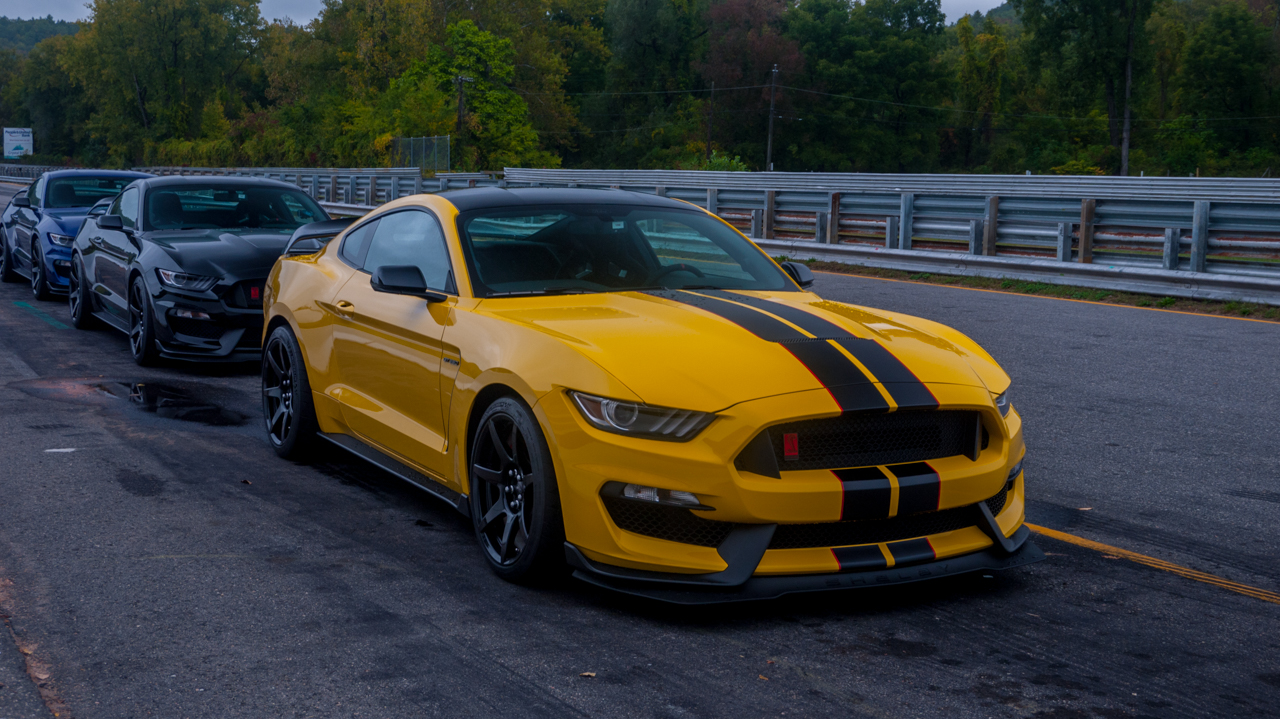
230 334
817 540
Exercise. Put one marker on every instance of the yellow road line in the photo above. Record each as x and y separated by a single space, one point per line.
1179 570
1051 297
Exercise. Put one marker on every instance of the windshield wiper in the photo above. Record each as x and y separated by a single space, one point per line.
536 293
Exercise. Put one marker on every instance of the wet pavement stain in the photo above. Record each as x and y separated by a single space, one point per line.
186 403
173 402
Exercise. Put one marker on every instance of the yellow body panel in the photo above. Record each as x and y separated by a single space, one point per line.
404 375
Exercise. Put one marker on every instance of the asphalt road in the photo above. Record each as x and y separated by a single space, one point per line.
176 568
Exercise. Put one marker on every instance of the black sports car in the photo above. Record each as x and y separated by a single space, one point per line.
179 263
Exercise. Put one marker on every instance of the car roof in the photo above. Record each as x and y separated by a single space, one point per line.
481 198
206 180
96 173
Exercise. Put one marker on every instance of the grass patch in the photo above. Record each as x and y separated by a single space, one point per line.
1044 289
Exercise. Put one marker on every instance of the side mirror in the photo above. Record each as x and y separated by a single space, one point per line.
404 280
799 272
111 222
21 201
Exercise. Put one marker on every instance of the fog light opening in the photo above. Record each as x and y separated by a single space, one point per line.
189 314
668 497
62 263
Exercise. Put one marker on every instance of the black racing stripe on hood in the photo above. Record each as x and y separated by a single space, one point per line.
906 389
852 390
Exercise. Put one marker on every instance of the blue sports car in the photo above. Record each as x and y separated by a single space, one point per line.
40 223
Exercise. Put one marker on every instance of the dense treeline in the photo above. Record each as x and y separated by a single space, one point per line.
1067 86
22 35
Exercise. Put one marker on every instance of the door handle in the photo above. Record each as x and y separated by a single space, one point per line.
345 307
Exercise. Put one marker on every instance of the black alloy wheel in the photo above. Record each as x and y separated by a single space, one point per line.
287 410
39 282
79 301
6 262
142 333
515 504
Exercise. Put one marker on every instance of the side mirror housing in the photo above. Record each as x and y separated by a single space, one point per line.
799 272
404 280
21 201
111 222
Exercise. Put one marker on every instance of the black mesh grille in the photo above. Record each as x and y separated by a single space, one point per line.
996 503
247 294
670 523
195 328
861 440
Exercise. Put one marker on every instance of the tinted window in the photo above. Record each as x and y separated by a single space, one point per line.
82 191
35 192
411 238
356 241
229 207
128 207
603 248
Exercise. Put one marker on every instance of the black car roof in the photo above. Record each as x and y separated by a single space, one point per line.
207 180
97 173
481 198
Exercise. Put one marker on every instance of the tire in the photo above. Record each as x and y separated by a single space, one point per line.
142 328
6 262
39 282
287 409
79 300
515 502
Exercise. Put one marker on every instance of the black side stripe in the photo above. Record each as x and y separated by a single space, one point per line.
912 551
867 493
861 558
919 487
905 388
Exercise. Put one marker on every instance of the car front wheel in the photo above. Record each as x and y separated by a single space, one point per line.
79 300
515 503
287 410
39 281
142 332
6 262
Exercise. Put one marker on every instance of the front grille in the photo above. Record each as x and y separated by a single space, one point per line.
669 523
872 531
684 526
864 439
242 294
195 328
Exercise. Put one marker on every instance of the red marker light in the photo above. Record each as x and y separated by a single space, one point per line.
255 293
791 445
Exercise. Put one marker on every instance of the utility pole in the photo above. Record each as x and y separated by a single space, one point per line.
458 82
773 91
711 118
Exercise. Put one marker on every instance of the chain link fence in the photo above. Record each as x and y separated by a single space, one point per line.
430 154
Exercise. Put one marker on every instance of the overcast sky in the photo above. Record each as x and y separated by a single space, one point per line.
302 11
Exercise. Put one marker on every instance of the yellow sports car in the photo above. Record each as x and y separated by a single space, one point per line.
626 384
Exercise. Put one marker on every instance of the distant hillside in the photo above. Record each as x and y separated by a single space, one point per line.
1004 14
22 35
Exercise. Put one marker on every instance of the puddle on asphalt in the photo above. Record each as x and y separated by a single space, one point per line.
173 402
169 401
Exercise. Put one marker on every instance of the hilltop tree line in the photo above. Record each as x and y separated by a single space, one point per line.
1067 86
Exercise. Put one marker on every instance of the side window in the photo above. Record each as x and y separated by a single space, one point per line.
36 192
128 207
353 246
412 238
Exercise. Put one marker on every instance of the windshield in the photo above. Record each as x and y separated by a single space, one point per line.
227 207
82 191
608 248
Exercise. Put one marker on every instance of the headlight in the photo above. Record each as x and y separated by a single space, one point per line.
1002 403
184 281
641 420
61 240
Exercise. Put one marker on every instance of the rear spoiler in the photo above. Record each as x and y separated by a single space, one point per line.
310 239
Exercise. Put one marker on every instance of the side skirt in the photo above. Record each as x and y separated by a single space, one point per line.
400 469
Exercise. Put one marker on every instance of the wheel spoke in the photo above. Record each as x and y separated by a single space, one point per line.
484 474
504 543
503 454
272 392
280 414
498 509
275 364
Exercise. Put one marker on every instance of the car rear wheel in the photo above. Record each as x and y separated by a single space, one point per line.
79 300
515 504
287 410
6 262
39 282
142 332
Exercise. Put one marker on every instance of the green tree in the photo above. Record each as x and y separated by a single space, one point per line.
1224 72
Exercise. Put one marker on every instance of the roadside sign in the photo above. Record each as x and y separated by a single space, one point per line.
17 142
